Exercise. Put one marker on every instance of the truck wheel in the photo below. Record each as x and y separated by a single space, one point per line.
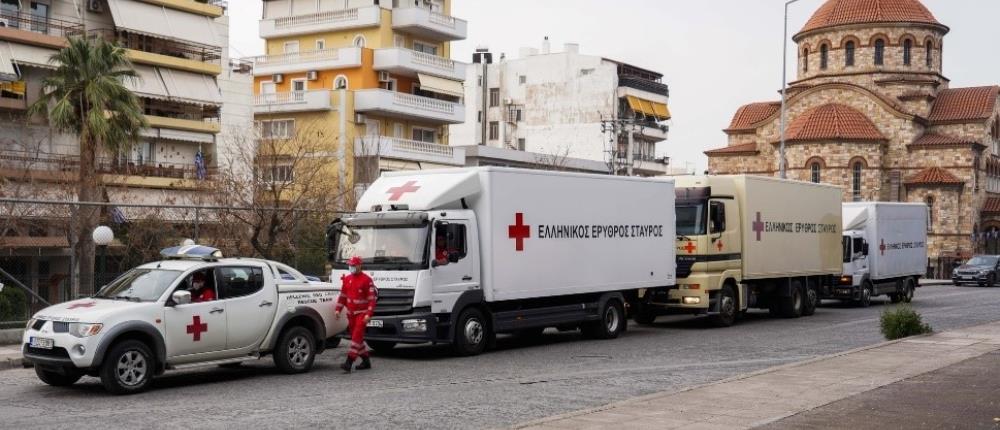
811 302
866 295
908 289
727 308
296 350
611 324
128 368
791 307
57 379
381 346
471 333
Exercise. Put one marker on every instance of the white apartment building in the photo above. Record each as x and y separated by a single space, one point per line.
564 104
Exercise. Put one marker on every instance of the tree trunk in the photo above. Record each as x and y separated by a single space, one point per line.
88 215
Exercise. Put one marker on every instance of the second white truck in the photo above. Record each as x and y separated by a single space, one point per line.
885 251
459 255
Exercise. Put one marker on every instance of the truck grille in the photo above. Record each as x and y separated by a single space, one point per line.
394 302
684 264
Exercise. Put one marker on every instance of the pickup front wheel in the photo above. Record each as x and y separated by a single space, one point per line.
128 368
296 350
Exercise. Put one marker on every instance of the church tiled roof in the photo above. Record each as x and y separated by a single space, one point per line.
833 122
931 140
747 149
992 206
750 114
964 104
934 176
835 13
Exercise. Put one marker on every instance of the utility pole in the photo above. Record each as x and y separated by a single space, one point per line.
616 127
784 90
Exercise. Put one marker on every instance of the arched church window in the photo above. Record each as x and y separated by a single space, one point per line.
815 172
907 52
856 170
849 53
930 53
805 60
824 56
879 52
929 200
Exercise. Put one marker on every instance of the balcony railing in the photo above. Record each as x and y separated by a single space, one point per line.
307 60
429 24
154 45
409 106
39 161
644 85
38 24
320 22
408 62
409 150
295 101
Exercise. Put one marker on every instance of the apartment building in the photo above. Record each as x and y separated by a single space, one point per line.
567 104
193 100
371 77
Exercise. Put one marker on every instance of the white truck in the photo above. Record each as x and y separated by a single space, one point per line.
884 251
145 321
459 255
750 242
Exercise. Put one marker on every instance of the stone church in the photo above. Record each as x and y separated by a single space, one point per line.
872 113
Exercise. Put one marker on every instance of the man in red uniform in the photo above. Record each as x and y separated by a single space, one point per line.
200 292
358 295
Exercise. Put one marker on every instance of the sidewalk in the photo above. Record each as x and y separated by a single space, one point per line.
10 357
771 395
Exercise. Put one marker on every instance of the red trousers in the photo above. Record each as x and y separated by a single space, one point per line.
356 325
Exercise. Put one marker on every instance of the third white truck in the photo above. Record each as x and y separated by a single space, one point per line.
884 251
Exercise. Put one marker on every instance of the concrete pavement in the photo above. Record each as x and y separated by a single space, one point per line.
773 394
10 357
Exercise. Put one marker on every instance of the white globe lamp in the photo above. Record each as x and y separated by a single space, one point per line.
103 235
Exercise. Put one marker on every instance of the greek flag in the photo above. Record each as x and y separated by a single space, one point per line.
199 166
117 216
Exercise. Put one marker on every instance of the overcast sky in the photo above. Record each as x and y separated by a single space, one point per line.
715 54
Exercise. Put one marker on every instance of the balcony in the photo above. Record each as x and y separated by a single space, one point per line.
23 27
408 106
646 85
426 24
321 22
62 168
210 8
174 54
343 58
407 150
653 131
297 101
13 102
408 62
206 125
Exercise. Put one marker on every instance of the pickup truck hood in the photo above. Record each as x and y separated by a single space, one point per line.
89 310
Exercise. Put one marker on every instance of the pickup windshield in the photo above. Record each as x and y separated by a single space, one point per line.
139 285
691 218
383 247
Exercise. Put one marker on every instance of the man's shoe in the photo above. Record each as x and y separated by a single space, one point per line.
347 365
366 363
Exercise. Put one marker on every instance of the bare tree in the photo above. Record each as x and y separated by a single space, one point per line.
557 159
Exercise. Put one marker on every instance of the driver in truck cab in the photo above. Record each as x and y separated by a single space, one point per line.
200 290
357 295
440 250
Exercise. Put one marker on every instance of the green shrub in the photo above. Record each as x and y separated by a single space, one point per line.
902 321
13 304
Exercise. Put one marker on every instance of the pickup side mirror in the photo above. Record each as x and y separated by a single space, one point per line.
181 297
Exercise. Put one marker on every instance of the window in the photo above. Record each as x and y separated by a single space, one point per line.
824 56
39 17
359 41
239 281
514 113
389 85
805 60
523 79
717 217
907 52
479 82
494 97
10 9
856 170
340 82
930 54
277 173
399 130
520 144
585 72
815 172
479 117
277 129
424 47
849 54
494 130
291 47
879 52
929 200
424 134
398 41
450 238
298 87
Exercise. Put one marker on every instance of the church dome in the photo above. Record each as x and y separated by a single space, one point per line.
836 13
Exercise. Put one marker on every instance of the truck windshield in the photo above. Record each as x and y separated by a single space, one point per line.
139 285
383 247
690 218
847 249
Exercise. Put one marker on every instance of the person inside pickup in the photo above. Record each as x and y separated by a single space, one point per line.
201 288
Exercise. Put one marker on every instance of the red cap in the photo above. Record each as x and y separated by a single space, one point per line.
354 261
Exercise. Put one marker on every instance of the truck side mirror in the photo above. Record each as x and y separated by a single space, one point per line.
181 297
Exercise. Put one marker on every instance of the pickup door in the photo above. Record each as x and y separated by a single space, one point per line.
250 298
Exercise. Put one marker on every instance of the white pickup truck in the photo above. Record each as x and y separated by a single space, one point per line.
146 321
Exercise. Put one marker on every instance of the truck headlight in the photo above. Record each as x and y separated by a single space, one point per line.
692 300
415 325
84 329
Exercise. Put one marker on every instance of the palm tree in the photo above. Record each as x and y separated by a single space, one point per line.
87 96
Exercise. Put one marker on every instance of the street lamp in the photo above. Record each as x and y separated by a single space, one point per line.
784 88
102 238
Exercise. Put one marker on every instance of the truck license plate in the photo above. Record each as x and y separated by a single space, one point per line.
375 323
844 291
41 343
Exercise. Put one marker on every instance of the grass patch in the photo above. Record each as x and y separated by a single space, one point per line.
902 321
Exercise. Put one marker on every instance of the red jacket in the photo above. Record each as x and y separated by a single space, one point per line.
358 294
204 295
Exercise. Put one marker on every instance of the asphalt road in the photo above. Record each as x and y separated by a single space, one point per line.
423 387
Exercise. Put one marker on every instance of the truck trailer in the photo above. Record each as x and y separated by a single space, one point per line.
459 255
750 242
884 251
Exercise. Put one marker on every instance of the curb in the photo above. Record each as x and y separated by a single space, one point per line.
12 363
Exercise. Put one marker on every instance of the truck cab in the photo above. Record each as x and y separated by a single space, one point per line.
855 258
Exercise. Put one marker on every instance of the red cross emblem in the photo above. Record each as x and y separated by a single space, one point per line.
197 328
881 247
690 248
519 231
719 245
396 193
758 226
82 305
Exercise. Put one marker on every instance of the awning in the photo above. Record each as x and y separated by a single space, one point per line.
33 56
649 108
7 72
164 22
191 87
440 85
148 83
178 135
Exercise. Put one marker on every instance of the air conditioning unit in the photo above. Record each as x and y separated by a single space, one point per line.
383 77
3 23
508 101
95 6
278 78
312 75
359 118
